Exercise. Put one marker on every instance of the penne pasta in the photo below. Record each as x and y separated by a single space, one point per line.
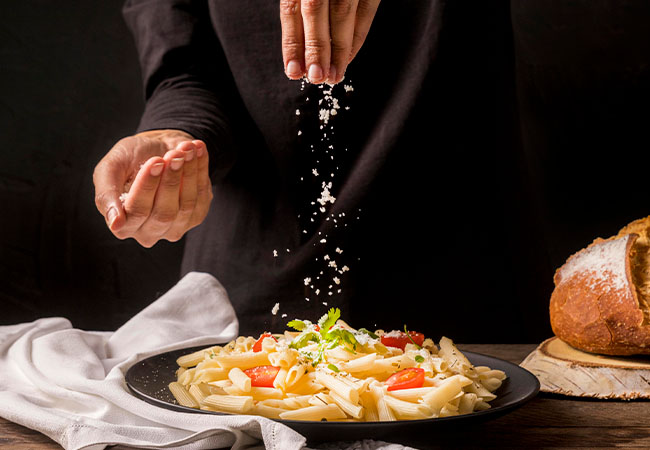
336 373
229 403
182 396
325 412
193 359
242 360
239 379
408 410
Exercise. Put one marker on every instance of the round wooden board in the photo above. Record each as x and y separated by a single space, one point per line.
562 369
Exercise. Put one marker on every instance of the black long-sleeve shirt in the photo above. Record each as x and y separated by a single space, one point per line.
431 224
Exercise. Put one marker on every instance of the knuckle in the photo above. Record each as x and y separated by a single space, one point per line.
164 216
366 7
100 201
340 9
150 185
146 241
204 191
137 214
314 46
173 182
187 205
341 47
291 44
175 236
312 6
289 7
359 36
121 234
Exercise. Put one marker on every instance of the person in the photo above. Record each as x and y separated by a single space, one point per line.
398 209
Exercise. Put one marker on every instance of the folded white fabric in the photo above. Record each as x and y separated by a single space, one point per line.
69 384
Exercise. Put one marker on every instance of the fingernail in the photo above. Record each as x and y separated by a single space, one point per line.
293 69
112 215
332 76
156 169
189 155
177 163
200 150
315 73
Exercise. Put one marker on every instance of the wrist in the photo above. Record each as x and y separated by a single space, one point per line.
166 134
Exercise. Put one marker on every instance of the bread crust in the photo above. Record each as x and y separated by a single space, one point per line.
595 304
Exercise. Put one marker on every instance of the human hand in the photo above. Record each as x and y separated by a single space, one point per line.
165 173
321 37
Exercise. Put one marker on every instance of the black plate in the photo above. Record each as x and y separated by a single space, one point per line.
148 380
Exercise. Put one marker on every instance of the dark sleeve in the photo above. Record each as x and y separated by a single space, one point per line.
187 82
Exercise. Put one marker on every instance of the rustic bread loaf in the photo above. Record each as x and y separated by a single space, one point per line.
601 299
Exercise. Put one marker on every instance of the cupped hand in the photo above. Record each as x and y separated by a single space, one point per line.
321 37
154 185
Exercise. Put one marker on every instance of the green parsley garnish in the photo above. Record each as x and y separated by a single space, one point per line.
419 358
328 320
340 334
333 367
327 337
368 332
304 339
296 324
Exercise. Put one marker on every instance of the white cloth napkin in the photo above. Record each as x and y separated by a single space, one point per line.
69 384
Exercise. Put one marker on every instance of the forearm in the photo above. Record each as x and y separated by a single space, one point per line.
185 103
187 81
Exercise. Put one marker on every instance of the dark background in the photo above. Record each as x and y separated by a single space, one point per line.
70 87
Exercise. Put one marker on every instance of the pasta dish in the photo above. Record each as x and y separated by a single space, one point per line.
331 371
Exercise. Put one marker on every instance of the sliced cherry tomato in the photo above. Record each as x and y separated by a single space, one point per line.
257 347
406 379
399 339
262 376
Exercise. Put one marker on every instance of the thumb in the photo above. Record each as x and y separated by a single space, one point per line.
109 180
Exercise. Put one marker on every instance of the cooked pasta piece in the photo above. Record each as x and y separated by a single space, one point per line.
331 371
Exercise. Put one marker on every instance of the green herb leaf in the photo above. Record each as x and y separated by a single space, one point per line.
297 324
410 338
333 367
341 335
303 339
328 320
419 358
368 332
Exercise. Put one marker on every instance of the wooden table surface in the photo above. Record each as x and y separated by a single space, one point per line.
547 421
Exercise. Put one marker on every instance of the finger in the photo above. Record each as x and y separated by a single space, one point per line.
165 205
109 178
187 200
315 18
342 22
366 11
203 187
293 39
139 200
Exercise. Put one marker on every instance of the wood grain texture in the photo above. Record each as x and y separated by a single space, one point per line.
546 422
564 370
17 437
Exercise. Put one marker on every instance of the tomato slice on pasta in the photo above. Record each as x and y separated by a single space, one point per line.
257 347
412 377
262 376
399 339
